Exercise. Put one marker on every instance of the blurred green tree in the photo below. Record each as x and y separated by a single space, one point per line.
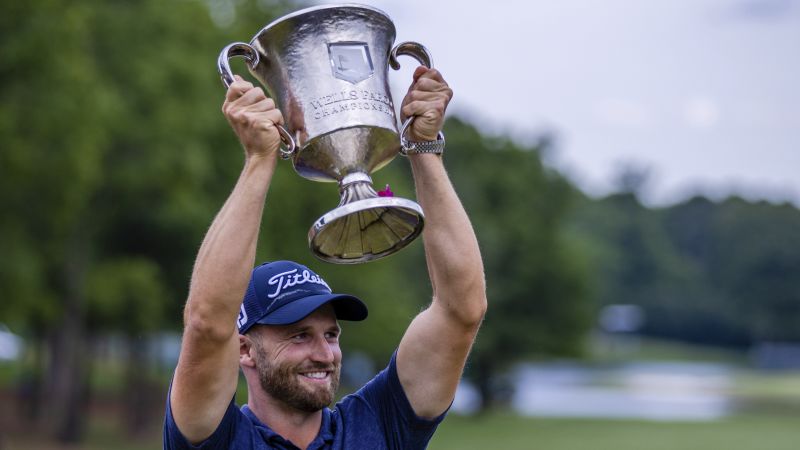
722 273
749 255
114 158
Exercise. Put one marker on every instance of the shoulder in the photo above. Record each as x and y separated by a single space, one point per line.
235 429
380 410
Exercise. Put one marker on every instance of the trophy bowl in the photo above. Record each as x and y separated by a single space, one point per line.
327 68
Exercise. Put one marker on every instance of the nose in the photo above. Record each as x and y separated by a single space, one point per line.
323 351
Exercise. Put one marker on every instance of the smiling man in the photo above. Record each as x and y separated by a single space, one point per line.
286 337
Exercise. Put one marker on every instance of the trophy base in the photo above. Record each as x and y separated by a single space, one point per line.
365 230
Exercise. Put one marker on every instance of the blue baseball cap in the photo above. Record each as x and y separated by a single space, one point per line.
284 292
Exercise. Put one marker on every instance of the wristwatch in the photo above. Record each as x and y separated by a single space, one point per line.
411 147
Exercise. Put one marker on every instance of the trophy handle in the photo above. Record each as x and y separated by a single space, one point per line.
413 49
421 54
251 56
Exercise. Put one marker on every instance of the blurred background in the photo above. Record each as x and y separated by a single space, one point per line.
630 168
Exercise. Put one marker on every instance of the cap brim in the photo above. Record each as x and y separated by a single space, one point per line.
346 307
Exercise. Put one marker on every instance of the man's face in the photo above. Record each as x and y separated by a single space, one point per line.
299 364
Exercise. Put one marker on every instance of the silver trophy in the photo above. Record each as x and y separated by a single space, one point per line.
327 69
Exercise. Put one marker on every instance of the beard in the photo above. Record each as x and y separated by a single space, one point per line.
281 382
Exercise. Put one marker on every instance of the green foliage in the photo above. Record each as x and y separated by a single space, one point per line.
126 295
723 273
749 255
113 143
48 164
115 156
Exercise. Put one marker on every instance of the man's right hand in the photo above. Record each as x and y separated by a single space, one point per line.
208 367
253 116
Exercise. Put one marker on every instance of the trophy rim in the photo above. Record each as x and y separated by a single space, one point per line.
342 211
311 9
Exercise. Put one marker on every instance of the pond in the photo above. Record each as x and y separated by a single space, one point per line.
646 391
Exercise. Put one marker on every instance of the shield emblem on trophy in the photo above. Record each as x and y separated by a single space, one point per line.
327 68
350 61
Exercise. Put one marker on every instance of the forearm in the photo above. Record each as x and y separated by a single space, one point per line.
432 353
451 248
227 254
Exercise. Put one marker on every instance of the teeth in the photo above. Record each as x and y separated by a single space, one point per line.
316 375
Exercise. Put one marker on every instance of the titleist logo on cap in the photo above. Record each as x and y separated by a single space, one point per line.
291 278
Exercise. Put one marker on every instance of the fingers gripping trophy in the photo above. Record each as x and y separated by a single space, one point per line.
326 68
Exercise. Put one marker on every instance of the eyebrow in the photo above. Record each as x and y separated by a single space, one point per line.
292 329
300 329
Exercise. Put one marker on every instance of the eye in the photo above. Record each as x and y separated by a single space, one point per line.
300 337
332 335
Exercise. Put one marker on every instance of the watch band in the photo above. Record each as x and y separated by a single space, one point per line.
411 147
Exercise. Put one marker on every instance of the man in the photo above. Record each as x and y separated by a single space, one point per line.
287 338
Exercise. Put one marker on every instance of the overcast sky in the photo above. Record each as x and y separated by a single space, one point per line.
703 93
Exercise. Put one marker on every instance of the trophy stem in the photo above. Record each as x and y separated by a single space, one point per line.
364 226
356 186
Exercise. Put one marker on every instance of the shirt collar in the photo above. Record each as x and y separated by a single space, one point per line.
324 436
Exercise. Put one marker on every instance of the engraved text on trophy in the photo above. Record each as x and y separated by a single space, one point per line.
353 100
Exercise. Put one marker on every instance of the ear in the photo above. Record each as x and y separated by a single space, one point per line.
246 352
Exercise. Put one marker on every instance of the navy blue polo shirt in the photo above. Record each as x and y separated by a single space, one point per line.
376 417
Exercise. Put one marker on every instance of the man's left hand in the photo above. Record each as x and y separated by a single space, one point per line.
427 99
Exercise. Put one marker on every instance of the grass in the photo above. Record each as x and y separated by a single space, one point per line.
770 385
605 349
503 431
769 423
8 373
510 432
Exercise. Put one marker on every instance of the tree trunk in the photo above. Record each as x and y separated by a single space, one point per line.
137 387
62 402
30 386
484 375
66 384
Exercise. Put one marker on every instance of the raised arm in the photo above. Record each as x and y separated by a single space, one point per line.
206 377
434 349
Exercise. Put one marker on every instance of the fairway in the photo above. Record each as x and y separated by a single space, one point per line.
510 432
500 431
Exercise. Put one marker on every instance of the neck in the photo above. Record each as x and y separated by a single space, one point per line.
299 427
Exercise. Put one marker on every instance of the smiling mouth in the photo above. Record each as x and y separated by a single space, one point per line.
316 376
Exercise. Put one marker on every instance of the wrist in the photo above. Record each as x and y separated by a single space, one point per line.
259 159
261 164
412 136
434 147
426 165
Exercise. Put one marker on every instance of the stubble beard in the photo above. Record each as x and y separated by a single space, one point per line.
280 381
